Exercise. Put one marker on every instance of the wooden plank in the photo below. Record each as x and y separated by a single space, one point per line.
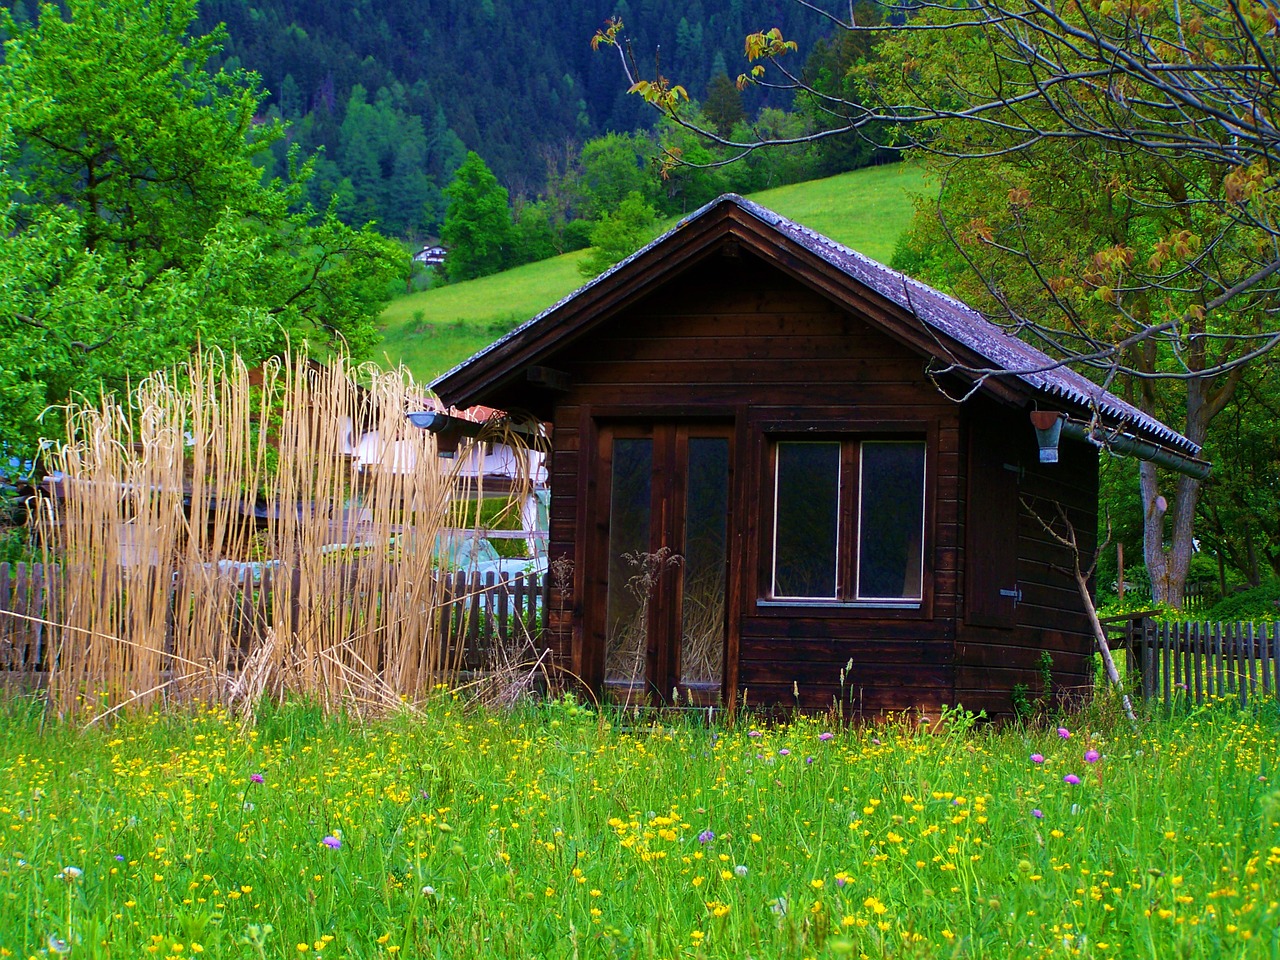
1148 659
1251 665
1264 661
824 651
22 605
8 649
503 632
1165 652
913 400
1198 663
1232 644
868 674
1179 639
1275 659
858 625
1219 658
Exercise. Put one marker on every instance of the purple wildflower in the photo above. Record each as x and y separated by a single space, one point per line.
332 842
841 881
706 836
1038 813
1091 756
1064 733
784 752
1071 778
120 857
257 778
753 733
1037 758
808 759
826 736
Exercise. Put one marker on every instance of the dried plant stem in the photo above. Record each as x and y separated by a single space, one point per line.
216 521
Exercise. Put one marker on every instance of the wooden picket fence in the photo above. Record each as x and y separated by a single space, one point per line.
482 613
1196 662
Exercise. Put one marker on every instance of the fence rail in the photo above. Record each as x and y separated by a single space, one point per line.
1197 595
1193 662
483 614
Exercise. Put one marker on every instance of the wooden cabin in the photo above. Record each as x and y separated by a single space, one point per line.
770 475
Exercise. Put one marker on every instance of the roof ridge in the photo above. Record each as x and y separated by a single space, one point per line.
941 313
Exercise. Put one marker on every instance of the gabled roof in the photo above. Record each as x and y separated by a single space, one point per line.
936 323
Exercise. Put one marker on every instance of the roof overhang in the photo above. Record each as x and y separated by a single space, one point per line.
921 318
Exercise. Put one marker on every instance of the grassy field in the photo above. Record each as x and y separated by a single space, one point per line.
435 329
548 833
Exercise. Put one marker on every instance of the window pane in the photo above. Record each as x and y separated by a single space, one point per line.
627 606
702 614
891 521
806 519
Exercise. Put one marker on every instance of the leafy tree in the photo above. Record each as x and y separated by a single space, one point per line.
477 222
698 177
137 220
1238 520
613 166
534 237
619 234
762 169
1162 277
1130 240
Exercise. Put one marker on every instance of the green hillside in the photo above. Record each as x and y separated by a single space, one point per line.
433 330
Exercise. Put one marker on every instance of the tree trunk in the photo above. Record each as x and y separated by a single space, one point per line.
1168 561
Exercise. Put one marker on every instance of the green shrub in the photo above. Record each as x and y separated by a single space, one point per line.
1256 603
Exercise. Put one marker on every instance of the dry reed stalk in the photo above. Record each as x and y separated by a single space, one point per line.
211 465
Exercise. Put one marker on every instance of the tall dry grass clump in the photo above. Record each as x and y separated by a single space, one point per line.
217 541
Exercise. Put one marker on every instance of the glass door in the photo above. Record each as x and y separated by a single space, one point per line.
667 520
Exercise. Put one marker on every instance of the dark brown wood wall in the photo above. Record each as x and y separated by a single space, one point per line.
1049 615
736 340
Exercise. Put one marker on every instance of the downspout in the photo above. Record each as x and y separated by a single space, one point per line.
1129 445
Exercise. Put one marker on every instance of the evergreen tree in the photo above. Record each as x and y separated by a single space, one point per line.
723 105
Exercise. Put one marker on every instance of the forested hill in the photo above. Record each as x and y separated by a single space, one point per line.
408 85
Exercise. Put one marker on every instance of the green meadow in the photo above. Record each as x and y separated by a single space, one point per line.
551 831
433 330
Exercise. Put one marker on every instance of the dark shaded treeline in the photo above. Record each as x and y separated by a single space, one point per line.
396 91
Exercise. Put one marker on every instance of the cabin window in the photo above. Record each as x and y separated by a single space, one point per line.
847 521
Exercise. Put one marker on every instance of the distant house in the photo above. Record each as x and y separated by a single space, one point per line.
766 486
431 256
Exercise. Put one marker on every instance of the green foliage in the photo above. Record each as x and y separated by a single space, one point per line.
865 209
1236 516
432 817
613 168
477 222
511 86
1027 708
386 156
534 237
619 234
1256 604
137 220
576 235
723 105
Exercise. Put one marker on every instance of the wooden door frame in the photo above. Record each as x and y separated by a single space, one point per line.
668 496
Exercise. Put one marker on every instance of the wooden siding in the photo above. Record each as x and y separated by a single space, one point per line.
1049 615
736 341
